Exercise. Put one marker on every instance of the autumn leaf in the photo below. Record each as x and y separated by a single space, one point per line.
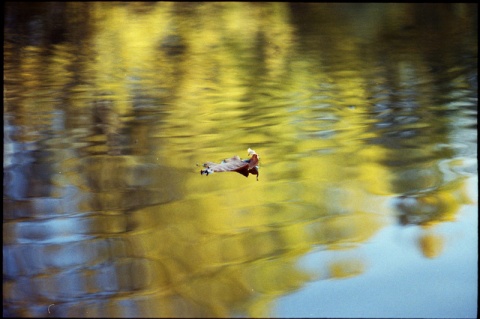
234 164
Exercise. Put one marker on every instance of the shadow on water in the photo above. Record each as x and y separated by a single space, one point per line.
364 116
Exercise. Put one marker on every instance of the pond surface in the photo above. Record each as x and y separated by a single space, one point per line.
364 118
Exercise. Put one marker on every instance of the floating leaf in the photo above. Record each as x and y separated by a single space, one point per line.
234 164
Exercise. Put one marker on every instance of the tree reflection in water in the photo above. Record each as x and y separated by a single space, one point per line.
109 106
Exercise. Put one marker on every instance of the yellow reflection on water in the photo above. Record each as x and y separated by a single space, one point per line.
122 119
431 245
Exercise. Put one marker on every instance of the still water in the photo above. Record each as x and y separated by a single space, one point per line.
364 117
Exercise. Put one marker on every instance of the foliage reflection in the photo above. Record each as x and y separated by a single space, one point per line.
108 111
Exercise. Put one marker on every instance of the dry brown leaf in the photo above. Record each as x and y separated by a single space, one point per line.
234 164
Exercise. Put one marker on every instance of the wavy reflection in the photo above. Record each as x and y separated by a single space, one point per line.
108 110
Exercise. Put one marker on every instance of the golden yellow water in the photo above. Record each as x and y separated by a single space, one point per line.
364 117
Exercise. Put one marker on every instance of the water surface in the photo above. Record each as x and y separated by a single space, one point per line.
364 117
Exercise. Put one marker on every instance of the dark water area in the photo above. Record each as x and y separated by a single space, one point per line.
364 117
